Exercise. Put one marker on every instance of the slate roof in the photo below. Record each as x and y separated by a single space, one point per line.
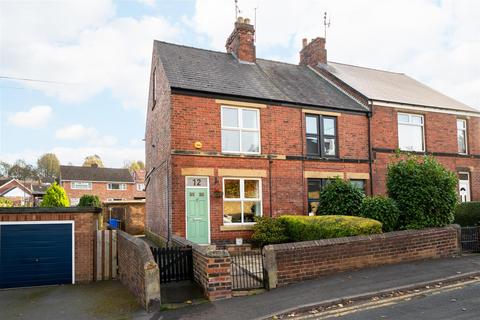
75 173
393 87
218 72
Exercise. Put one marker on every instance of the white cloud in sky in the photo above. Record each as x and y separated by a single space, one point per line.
88 135
92 51
437 42
36 117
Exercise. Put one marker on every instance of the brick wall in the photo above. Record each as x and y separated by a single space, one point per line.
294 262
211 269
132 214
100 189
85 220
137 269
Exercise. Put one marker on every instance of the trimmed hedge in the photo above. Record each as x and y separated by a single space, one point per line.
468 214
304 228
382 209
268 231
340 197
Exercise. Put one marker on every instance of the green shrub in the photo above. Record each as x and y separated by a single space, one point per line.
382 209
424 191
340 197
4 203
55 197
468 214
304 228
89 200
268 231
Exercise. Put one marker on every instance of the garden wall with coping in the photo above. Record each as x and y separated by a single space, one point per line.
293 262
137 269
211 269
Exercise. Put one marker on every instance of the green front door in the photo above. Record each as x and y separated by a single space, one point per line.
197 215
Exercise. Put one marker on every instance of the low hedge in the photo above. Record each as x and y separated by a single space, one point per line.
382 209
468 214
305 228
269 231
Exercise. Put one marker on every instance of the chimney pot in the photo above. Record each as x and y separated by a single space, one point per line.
240 20
247 21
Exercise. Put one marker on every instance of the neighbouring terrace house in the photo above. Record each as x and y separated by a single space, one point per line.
109 184
230 136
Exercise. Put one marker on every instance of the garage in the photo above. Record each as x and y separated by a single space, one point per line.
34 253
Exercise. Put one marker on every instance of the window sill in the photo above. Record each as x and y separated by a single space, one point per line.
237 227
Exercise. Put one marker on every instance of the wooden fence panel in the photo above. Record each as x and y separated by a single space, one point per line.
106 265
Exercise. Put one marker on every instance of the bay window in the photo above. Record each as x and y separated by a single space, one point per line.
411 132
240 130
242 200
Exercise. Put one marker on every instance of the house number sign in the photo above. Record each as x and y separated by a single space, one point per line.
197 182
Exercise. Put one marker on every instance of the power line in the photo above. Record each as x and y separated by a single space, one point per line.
35 80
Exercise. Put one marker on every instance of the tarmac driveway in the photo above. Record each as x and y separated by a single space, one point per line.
99 300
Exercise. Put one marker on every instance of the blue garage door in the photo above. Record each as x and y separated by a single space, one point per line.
35 254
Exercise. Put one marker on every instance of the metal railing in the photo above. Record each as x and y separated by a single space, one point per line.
470 239
247 270
174 263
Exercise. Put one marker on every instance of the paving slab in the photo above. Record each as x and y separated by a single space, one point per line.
327 288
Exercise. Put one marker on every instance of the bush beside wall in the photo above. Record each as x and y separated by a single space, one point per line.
468 214
382 209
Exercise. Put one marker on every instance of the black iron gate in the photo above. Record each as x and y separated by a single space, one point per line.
247 270
470 239
175 263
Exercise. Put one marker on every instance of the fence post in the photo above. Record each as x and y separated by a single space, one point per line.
270 267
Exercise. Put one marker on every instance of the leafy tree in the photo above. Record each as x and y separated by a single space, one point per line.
55 197
134 165
23 171
340 197
88 200
4 168
424 191
48 166
93 161
4 202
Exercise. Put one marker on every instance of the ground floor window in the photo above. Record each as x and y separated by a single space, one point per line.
315 186
242 200
359 183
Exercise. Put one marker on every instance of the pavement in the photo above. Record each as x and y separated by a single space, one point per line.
303 294
99 300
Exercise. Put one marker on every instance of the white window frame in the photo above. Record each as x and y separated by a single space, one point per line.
240 129
140 186
119 183
242 198
72 185
409 123
465 130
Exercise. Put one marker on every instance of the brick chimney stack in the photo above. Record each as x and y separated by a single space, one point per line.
241 41
313 53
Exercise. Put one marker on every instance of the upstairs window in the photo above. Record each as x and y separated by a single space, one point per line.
81 185
140 186
462 135
321 132
411 132
240 130
116 186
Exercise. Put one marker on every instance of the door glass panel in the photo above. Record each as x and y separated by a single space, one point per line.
232 189
250 210
463 176
197 182
403 118
232 212
252 189
417 119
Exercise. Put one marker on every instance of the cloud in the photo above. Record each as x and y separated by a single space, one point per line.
436 42
36 117
89 135
91 51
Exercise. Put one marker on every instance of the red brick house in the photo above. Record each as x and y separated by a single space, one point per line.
109 184
16 191
230 136
139 178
